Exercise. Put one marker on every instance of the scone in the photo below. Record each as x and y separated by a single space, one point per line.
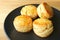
42 27
23 23
44 10
29 10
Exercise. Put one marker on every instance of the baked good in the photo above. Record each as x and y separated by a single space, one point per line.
42 27
29 10
44 10
23 23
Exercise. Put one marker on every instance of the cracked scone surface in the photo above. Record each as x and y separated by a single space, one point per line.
23 23
42 27
29 10
44 10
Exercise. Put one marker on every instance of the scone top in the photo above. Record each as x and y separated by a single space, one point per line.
41 22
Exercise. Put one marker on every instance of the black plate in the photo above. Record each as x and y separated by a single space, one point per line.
14 35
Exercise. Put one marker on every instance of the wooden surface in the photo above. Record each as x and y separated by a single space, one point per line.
6 6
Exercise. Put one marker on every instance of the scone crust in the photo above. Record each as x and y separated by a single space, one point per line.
23 23
42 27
29 10
45 11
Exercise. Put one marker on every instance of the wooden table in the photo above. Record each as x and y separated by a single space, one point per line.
6 6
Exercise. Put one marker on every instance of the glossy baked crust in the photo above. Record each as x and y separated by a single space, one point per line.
42 27
23 23
44 10
29 10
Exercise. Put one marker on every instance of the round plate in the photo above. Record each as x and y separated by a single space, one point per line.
14 35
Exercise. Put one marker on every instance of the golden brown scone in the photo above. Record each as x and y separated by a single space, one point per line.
23 23
29 10
44 10
42 27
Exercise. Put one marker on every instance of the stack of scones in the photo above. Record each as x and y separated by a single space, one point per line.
27 21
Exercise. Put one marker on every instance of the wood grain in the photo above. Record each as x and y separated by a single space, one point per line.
6 6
